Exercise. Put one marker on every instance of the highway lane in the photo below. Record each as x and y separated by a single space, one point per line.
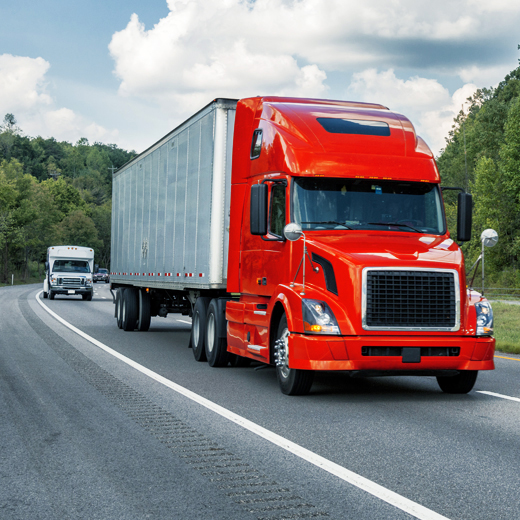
457 455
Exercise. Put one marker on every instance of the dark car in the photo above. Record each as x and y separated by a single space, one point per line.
101 275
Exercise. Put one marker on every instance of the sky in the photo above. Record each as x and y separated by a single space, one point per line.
127 72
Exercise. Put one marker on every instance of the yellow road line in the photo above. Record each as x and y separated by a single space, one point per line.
512 358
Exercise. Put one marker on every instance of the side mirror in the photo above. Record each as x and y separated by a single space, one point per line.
464 217
292 231
46 266
258 209
96 268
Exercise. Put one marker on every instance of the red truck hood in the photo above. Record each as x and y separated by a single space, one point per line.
385 249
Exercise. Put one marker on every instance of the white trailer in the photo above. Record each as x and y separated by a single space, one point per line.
170 220
68 271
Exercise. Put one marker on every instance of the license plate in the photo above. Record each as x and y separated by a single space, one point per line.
70 291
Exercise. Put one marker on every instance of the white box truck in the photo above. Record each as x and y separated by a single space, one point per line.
68 271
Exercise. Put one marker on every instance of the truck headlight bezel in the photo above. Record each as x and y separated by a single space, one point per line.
484 318
318 318
54 280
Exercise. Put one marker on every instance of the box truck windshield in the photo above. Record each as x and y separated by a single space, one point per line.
70 266
332 203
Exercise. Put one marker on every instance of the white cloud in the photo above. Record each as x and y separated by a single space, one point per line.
22 86
425 102
23 92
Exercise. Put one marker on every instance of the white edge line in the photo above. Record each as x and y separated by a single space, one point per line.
184 321
502 396
392 498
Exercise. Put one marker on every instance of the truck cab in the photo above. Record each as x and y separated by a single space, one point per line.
68 272
374 285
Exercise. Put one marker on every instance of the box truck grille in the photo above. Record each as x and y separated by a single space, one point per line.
411 300
70 281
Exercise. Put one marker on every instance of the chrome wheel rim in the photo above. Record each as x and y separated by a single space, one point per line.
196 324
210 337
283 354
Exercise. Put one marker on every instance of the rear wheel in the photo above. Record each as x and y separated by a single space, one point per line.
462 383
198 328
129 315
144 315
292 381
216 341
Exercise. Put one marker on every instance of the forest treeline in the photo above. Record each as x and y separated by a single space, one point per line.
482 155
52 193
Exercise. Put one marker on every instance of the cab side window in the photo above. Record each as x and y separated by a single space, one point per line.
277 210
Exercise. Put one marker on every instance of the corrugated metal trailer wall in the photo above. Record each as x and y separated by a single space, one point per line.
170 206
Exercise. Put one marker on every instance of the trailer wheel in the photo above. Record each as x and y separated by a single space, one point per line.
292 381
198 328
129 314
119 306
216 345
144 315
462 383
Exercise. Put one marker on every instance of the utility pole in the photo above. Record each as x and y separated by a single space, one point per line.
112 170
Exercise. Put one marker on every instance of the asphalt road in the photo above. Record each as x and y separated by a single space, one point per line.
85 435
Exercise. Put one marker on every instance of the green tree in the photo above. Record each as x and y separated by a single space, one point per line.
79 230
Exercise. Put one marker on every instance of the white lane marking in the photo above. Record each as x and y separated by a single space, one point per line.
502 396
392 498
185 321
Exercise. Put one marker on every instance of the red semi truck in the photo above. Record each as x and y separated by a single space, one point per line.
303 233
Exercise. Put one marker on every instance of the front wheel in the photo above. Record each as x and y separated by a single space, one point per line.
462 383
292 381
51 295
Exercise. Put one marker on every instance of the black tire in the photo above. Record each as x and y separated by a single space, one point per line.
45 294
198 328
129 308
119 305
89 297
462 383
51 295
144 316
215 345
292 381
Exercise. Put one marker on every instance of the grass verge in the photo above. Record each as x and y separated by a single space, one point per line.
507 327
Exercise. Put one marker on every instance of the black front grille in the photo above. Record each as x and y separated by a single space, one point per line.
411 299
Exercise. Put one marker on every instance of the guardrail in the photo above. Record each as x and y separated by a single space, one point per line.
501 293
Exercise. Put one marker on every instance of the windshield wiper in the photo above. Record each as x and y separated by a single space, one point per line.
398 224
328 222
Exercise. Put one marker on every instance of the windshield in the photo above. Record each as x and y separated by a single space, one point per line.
329 203
70 266
103 271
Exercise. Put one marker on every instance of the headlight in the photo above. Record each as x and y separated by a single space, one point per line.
318 318
53 280
89 281
484 319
